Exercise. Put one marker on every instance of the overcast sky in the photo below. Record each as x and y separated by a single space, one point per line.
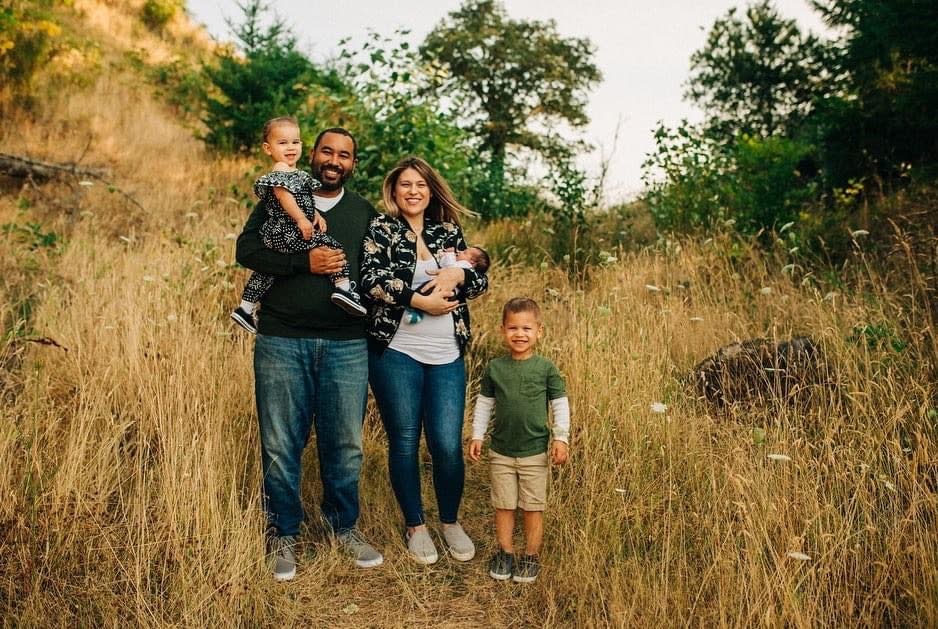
643 49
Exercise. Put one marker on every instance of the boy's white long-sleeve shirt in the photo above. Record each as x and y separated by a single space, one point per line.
560 409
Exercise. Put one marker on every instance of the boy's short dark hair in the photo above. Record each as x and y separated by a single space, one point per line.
483 261
520 304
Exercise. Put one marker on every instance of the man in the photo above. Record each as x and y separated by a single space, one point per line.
311 363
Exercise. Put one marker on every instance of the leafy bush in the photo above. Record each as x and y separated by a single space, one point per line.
156 14
28 38
693 181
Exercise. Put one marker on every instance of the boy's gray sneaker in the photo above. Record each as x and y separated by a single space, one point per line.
284 557
458 543
362 552
527 569
500 565
420 547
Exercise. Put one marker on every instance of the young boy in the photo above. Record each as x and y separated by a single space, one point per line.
519 388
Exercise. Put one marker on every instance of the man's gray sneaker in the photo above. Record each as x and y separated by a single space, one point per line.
420 547
362 552
458 543
284 556
500 565
526 570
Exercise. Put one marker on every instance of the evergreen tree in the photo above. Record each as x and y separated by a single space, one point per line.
264 76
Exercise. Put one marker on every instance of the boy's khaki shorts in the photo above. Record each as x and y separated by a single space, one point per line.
519 482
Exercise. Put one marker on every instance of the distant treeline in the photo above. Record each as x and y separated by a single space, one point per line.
801 130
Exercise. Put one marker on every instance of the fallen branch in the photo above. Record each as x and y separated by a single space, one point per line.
25 167
33 169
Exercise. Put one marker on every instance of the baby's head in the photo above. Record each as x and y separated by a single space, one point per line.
477 257
282 140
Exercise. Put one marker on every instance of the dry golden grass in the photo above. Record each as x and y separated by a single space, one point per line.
129 459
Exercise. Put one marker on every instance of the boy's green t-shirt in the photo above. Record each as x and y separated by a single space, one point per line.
522 390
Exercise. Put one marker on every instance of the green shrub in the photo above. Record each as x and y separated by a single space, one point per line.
156 14
28 37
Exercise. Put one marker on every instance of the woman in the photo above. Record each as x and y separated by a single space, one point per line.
416 367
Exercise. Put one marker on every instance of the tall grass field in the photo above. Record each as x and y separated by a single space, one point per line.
129 456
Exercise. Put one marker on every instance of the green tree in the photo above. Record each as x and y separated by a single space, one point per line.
759 75
264 76
392 112
511 80
886 121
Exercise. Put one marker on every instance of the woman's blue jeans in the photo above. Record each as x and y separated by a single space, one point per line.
411 397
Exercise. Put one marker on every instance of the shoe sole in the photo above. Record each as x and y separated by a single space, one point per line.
349 306
284 576
461 556
499 577
244 324
369 563
426 561
518 579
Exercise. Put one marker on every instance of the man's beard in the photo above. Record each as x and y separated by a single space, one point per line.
329 185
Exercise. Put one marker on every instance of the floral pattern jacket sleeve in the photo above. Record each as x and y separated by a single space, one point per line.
387 271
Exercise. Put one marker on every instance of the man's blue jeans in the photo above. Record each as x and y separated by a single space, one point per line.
299 381
413 396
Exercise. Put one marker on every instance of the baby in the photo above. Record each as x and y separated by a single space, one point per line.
469 258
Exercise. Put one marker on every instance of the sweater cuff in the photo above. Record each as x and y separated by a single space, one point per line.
407 295
299 262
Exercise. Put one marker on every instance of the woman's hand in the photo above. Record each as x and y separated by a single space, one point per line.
435 303
475 449
446 280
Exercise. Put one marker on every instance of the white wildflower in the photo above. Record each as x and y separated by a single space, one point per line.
658 407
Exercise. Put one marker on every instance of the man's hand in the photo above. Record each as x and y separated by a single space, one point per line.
306 228
475 449
319 223
559 452
325 261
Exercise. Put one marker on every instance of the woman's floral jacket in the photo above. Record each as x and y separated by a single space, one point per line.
389 257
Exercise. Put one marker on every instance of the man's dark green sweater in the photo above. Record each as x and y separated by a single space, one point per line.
298 305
